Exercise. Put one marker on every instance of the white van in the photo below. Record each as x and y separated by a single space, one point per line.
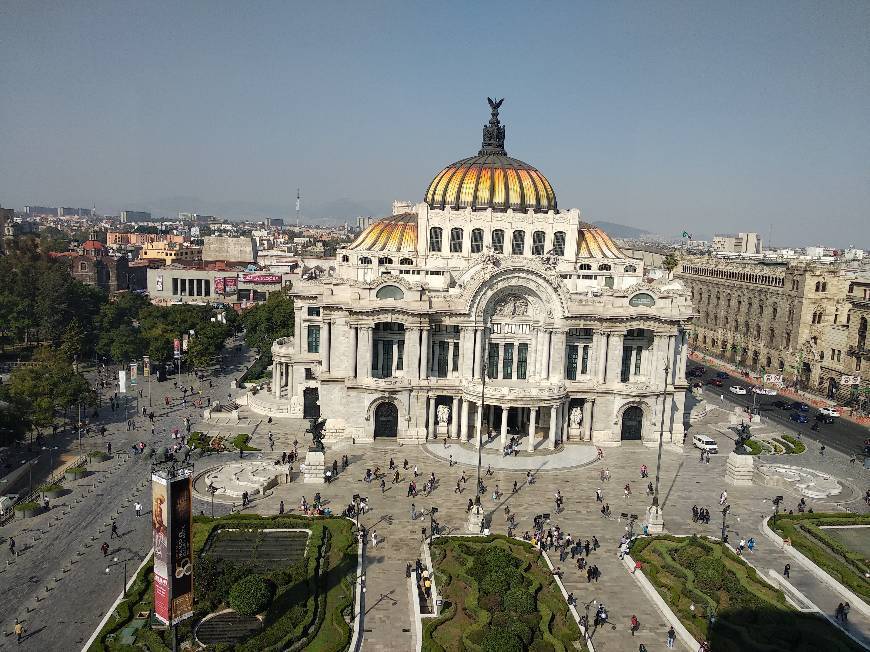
705 443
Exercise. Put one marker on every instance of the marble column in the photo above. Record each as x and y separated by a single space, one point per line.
327 342
410 360
681 355
364 359
588 417
478 425
298 330
464 433
559 340
276 378
478 352
430 429
552 441
533 413
454 419
614 355
672 364
599 348
504 424
354 365
563 419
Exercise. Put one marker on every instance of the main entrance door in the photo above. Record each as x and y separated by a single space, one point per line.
310 403
632 423
386 420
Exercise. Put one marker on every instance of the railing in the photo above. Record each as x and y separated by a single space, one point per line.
33 494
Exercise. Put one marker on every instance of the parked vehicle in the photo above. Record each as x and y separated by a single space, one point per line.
764 391
830 412
705 443
716 382
721 375
802 407
737 389
825 418
782 405
798 417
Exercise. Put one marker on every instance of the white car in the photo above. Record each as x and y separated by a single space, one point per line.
737 389
764 391
830 411
705 443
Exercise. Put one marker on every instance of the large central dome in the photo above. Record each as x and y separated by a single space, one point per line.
492 179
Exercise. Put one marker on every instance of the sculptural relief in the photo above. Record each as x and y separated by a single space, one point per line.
443 415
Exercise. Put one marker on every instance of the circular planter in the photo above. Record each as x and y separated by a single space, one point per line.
28 510
76 473
98 456
55 493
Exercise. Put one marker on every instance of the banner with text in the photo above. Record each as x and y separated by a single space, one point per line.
160 530
181 527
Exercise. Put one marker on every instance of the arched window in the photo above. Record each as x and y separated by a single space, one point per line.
585 267
771 338
630 269
862 333
604 267
518 243
498 241
455 240
824 286
365 260
757 331
345 258
818 286
538 239
385 260
435 238
774 310
406 261
559 243
760 308
390 292
476 241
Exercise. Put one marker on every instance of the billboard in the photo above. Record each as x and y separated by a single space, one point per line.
146 366
173 561
176 348
218 285
261 278
185 342
231 284
134 372
122 381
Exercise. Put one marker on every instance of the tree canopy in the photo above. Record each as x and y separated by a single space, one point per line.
268 321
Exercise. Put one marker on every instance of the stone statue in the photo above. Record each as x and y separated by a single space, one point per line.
316 430
443 414
575 418
512 305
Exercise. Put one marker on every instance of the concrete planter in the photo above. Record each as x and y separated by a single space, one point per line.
76 473
28 510
55 493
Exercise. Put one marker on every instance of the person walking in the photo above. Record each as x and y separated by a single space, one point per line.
281 507
114 532
105 549
138 507
12 546
383 485
19 631
634 623
413 512
374 538
786 571
672 636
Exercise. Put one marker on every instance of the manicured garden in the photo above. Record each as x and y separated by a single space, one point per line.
284 596
721 599
832 555
499 596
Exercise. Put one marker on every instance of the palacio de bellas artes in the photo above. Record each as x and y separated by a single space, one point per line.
482 313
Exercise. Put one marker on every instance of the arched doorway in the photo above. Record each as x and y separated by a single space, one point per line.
632 423
386 420
832 387
310 403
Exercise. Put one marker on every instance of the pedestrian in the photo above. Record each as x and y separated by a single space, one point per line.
599 497
786 571
12 546
281 507
838 613
383 485
105 549
374 538
114 532
822 450
138 508
672 636
723 497
19 631
635 624
846 609
413 512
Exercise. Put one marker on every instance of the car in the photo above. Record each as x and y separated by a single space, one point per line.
782 405
721 374
799 417
696 372
802 407
764 391
830 412
737 389
705 443
716 382
821 417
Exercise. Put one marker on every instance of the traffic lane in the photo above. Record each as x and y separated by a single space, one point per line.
842 435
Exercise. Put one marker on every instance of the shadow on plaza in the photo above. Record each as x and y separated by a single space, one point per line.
774 630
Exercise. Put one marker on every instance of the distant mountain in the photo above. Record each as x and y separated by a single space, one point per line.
620 230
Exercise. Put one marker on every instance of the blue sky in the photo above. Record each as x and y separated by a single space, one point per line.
706 116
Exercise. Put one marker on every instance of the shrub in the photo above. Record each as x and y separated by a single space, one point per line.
753 446
519 601
100 456
251 595
49 487
540 645
796 444
240 442
491 602
499 640
27 507
500 581
77 471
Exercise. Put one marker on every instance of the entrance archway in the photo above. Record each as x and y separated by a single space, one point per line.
386 420
310 403
632 423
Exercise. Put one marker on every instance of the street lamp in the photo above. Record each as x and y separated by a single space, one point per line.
655 501
212 490
725 511
484 356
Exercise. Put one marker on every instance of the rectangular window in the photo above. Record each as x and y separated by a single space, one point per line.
454 363
455 241
174 285
538 238
522 360
190 289
559 243
387 358
626 364
584 365
476 241
435 239
400 354
498 241
207 285
313 311
492 364
518 245
199 287
507 364
571 362
638 353
443 352
313 339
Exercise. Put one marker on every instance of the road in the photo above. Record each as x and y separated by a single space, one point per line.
842 435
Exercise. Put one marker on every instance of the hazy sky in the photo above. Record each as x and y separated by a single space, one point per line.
704 116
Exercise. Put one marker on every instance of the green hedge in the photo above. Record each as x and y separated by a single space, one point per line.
796 444
251 595
753 446
240 442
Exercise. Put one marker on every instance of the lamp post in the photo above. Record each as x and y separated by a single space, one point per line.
484 356
655 521
212 490
725 511
124 585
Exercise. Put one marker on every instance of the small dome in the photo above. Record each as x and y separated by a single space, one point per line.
592 242
492 179
395 233
93 245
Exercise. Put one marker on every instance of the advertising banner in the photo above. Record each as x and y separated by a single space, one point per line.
176 348
231 284
160 283
850 380
218 285
261 278
160 528
134 371
146 366
180 551
184 342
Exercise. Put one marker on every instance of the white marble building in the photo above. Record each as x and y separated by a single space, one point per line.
487 309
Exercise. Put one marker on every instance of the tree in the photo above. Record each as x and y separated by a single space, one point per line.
207 343
268 321
670 263
72 342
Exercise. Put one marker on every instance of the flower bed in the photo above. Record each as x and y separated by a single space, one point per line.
499 596
240 442
847 566
303 606
721 599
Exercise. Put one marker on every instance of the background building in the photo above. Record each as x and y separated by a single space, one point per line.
135 216
238 251
170 253
742 243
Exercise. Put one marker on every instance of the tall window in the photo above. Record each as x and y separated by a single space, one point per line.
492 362
498 241
435 238
625 371
456 241
538 238
443 350
454 363
571 363
400 354
518 244
584 365
476 241
559 243
508 362
638 353
313 339
386 358
522 360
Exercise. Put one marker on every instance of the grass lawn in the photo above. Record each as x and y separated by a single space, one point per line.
844 563
311 595
734 609
499 596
